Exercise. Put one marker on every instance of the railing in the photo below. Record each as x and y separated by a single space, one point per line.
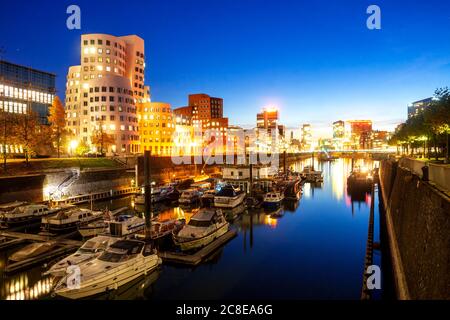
437 173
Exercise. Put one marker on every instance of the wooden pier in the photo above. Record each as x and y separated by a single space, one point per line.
197 257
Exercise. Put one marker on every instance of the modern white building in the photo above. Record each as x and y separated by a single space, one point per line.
102 92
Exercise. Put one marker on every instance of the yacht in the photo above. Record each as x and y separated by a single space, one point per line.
312 175
121 263
204 227
33 250
207 197
229 197
69 220
90 250
125 224
273 199
189 196
25 214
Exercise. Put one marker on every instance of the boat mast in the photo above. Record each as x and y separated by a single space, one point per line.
147 193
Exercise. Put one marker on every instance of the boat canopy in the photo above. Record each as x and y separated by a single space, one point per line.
227 191
205 214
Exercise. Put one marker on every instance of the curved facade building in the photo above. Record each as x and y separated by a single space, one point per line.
102 92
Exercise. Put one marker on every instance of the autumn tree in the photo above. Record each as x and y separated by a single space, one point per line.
6 134
26 131
57 122
101 139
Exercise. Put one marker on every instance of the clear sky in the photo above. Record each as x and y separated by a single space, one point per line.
314 59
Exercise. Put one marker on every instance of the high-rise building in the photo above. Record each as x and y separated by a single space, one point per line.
418 106
306 137
339 129
361 133
102 92
206 113
267 119
24 89
156 127
380 139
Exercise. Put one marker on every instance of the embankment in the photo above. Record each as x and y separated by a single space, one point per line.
418 226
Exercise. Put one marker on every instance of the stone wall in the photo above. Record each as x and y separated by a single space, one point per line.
418 224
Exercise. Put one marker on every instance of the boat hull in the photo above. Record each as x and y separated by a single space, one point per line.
112 280
229 202
201 242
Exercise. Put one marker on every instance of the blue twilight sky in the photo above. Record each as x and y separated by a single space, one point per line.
314 59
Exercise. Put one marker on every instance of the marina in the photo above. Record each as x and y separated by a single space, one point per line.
273 229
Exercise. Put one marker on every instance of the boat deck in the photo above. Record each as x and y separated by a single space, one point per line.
197 257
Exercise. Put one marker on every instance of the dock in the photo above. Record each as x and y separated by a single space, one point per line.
197 257
66 246
17 266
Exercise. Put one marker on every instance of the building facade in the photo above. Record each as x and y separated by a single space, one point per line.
102 92
418 106
24 89
156 127
361 133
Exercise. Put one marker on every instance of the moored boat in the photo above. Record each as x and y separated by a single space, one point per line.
120 264
229 197
91 249
24 214
207 197
189 196
273 199
70 219
204 227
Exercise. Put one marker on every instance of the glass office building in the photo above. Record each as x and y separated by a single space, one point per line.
23 89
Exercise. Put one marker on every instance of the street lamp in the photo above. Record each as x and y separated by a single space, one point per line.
73 145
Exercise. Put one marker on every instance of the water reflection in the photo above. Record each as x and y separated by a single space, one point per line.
318 244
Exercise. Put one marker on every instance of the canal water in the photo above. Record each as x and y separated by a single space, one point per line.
316 250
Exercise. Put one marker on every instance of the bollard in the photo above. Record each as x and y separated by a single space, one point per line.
425 176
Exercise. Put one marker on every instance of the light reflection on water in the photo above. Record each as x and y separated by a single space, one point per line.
315 250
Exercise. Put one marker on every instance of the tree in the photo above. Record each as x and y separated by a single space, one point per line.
57 122
438 116
26 130
101 139
6 134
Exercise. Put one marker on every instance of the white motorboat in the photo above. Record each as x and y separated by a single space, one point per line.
120 264
125 224
100 227
273 199
25 214
70 219
90 250
189 196
204 227
229 197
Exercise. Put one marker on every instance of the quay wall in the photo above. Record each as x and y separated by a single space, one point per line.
418 227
